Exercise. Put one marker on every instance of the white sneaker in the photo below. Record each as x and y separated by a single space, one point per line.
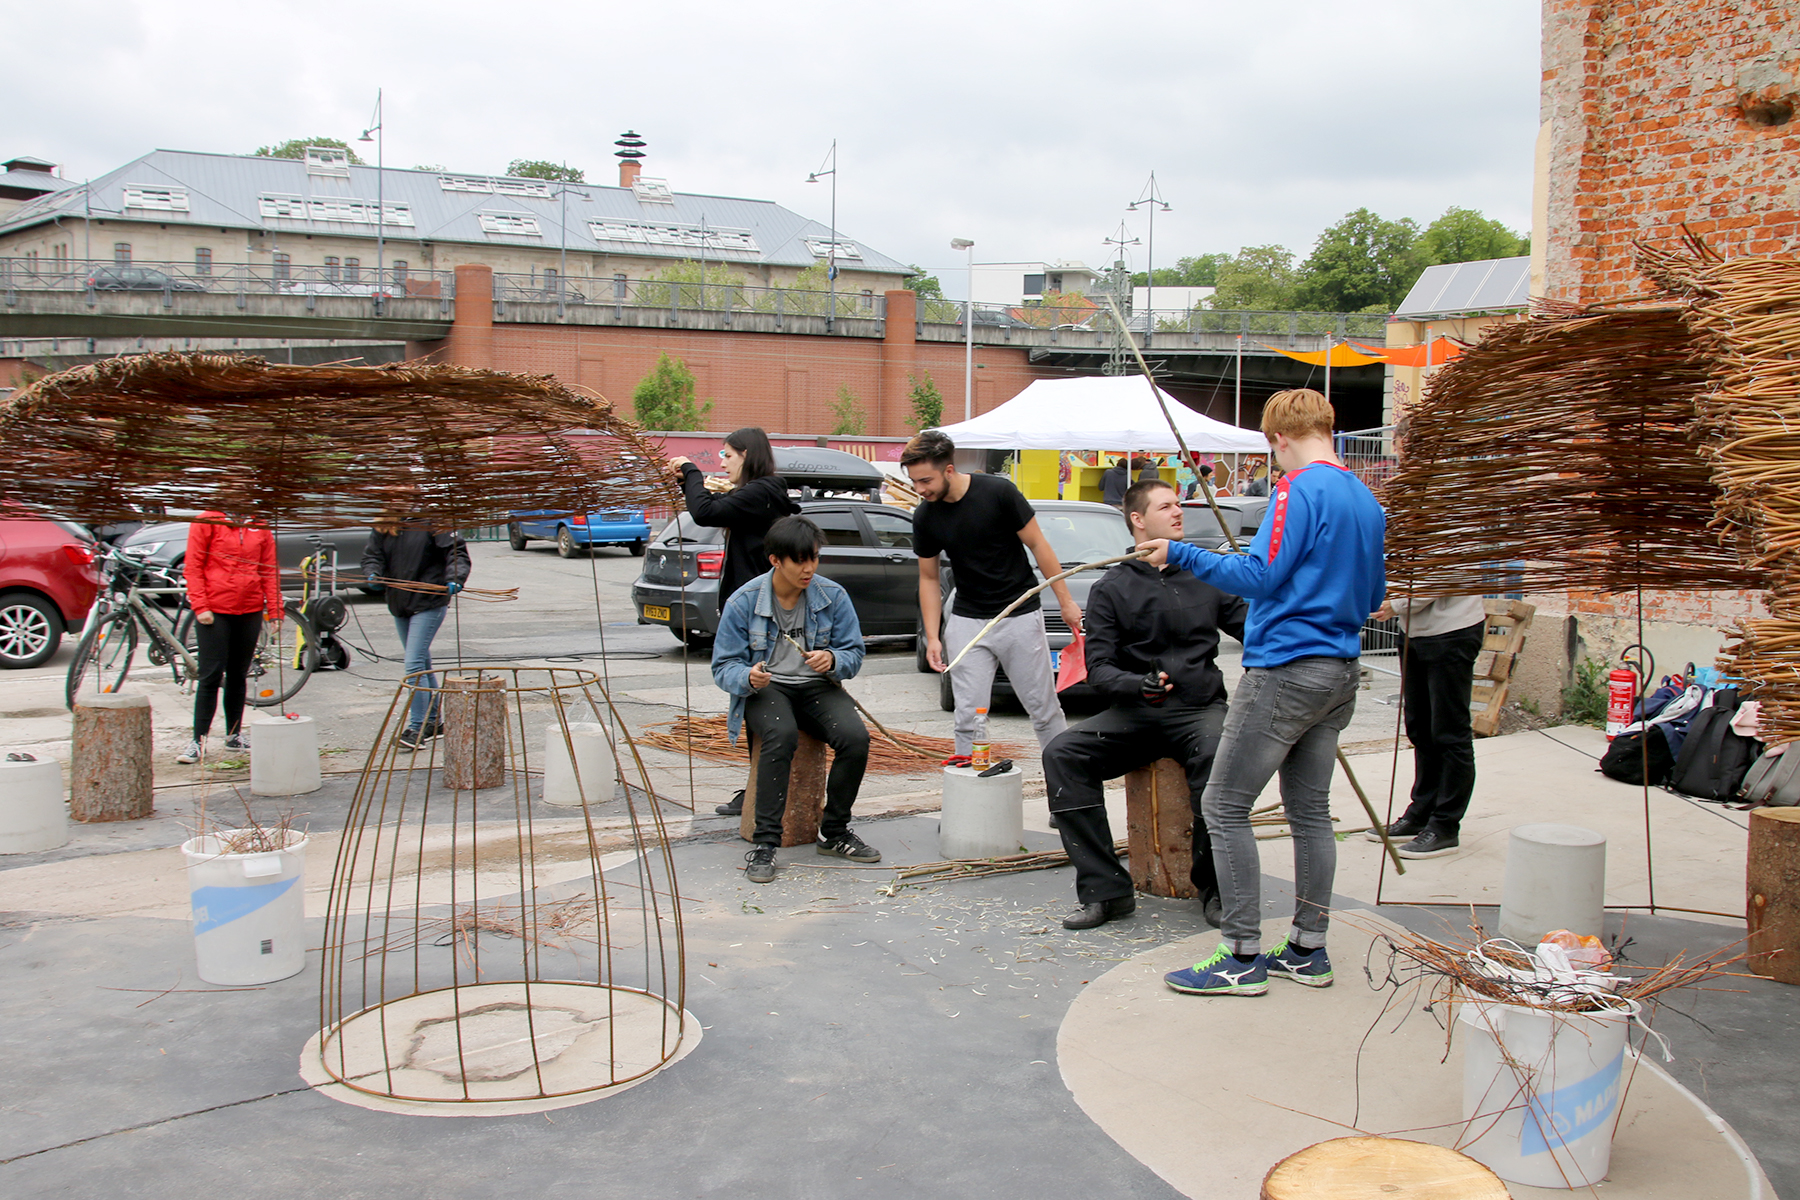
192 752
239 741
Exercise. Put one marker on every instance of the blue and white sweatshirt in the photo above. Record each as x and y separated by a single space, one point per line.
1313 573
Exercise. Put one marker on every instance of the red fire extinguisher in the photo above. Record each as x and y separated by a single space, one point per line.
1621 693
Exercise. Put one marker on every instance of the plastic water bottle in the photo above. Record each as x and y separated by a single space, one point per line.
981 753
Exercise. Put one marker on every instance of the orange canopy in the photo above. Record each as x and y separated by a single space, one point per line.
1341 356
1442 351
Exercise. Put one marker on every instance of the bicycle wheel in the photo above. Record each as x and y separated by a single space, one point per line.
103 656
189 640
286 656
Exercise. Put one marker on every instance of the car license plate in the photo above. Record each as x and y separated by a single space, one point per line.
655 612
1055 660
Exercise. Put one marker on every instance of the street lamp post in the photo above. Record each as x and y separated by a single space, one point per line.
562 237
380 140
968 330
831 250
1154 199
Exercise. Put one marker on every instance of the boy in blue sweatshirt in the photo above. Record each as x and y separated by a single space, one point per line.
1312 575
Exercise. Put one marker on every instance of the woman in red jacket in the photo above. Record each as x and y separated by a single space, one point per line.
232 583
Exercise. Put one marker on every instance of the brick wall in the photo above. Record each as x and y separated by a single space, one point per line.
1663 112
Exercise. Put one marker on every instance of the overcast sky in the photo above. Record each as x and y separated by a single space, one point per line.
1025 126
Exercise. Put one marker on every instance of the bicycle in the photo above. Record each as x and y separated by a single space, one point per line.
287 652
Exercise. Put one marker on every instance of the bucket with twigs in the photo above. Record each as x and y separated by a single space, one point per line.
249 914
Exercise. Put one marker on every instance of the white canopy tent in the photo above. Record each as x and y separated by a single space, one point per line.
1103 412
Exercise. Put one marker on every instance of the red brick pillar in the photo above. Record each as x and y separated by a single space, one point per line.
899 359
471 341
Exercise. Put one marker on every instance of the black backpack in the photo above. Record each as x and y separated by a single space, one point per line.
1714 757
1630 756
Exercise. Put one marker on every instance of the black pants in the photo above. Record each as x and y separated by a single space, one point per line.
1106 746
1440 674
776 716
225 649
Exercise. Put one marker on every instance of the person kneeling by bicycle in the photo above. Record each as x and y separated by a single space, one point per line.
786 639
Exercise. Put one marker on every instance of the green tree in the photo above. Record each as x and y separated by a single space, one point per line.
296 148
1199 271
927 402
1464 235
925 287
1258 278
538 168
851 417
1364 263
664 399
722 287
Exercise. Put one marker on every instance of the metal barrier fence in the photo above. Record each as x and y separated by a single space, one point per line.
1369 453
106 275
721 295
1077 312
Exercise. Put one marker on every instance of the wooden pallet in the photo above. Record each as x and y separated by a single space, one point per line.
1507 621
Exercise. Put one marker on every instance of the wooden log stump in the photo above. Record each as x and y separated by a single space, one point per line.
1374 1168
474 731
805 794
1772 893
1160 826
109 768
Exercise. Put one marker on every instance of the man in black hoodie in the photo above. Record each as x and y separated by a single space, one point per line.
418 556
1152 637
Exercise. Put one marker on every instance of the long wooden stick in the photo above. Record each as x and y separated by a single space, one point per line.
1038 590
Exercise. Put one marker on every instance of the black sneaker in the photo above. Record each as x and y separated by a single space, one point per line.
430 730
410 739
848 845
1429 844
733 807
1400 831
759 864
1090 916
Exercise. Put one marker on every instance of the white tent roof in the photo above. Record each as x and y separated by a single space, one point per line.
1102 412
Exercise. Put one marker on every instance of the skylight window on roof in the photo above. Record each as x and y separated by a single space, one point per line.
272 204
655 191
517 224
521 187
821 248
676 236
156 199
466 183
327 160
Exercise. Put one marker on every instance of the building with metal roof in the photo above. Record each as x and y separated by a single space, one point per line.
189 211
26 178
1492 285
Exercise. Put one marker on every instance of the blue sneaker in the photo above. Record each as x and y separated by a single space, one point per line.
1312 968
1222 975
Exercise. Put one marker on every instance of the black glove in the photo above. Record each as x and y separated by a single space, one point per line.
1153 685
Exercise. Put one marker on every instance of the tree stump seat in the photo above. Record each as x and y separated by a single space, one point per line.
1160 826
805 794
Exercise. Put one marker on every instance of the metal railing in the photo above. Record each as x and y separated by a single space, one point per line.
1078 314
676 296
1369 453
228 279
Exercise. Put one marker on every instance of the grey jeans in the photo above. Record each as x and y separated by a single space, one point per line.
1016 645
1285 719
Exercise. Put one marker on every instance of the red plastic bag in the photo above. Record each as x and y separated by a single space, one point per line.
1073 667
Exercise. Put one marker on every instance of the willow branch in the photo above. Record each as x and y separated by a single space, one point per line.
1038 590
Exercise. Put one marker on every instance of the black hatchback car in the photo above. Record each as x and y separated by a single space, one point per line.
138 279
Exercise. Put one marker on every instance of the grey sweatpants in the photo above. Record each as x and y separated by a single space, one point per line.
1018 646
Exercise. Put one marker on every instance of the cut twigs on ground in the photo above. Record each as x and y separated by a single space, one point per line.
706 737
553 925
951 869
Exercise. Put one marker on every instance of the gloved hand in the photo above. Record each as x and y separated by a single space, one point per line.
373 580
452 588
1154 687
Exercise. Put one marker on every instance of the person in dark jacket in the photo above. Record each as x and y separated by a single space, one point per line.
1152 638
1113 482
419 556
757 500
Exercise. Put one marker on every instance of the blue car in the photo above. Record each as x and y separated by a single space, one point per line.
572 531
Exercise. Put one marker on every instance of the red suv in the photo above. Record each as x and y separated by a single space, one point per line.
47 584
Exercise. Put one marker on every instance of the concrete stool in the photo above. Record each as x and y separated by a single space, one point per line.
576 766
805 794
981 818
32 816
1555 879
1160 825
284 756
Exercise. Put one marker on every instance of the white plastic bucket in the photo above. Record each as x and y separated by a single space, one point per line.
1546 1118
249 913
583 752
32 813
981 818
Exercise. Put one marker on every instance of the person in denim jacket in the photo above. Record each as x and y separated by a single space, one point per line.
786 640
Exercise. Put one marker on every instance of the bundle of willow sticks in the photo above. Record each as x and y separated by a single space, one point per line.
484 595
706 737
330 446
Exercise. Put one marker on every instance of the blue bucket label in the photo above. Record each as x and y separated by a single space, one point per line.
216 906
1571 1113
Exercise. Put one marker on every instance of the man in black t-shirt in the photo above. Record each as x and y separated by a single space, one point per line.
986 527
